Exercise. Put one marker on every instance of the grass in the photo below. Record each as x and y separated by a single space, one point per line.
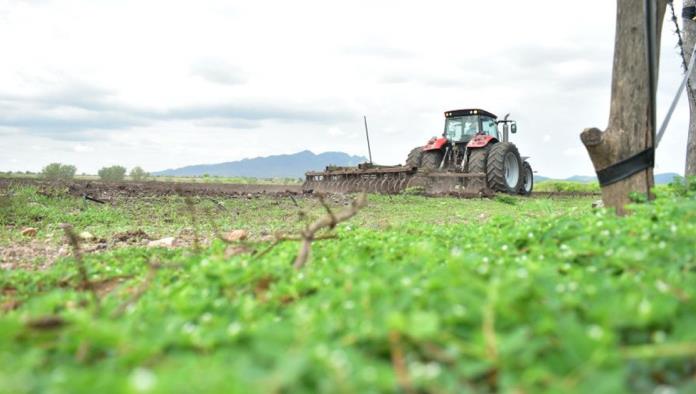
168 215
566 186
415 295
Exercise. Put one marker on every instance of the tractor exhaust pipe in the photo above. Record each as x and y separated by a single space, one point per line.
506 128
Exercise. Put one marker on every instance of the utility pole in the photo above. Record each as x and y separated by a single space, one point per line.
367 135
623 154
689 27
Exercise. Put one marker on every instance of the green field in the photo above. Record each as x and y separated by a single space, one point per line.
414 295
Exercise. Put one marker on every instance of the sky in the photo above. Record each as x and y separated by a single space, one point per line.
164 84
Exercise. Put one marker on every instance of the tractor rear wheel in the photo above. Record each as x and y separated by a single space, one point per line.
431 160
504 168
477 160
528 179
415 157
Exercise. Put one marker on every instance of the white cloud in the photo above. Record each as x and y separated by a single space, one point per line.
577 151
336 132
215 81
79 148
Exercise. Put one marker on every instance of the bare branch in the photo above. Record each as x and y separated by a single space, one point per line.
329 212
218 204
399 363
139 291
85 283
194 222
328 221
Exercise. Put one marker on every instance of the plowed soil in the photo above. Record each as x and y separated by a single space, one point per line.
108 190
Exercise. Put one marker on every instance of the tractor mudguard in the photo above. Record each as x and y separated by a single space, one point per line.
435 144
479 141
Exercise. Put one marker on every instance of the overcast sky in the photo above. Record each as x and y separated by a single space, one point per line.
164 84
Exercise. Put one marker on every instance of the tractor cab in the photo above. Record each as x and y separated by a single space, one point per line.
463 124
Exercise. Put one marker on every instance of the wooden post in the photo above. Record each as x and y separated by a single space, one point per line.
630 128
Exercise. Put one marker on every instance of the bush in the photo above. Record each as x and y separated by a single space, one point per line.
58 172
112 174
679 187
138 174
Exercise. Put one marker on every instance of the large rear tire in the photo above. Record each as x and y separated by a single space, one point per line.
415 157
477 160
528 179
431 160
504 168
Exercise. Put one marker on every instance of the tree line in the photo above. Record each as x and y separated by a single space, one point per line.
62 172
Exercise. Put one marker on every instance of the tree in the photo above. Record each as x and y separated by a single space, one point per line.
138 174
58 172
630 130
688 14
112 174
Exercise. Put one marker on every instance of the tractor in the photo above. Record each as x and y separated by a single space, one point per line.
472 156
473 142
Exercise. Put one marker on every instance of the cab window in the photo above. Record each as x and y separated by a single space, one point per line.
457 129
489 127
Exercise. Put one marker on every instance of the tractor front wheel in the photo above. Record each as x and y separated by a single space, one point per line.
431 160
504 168
528 181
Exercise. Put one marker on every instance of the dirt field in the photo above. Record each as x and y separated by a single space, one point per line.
106 190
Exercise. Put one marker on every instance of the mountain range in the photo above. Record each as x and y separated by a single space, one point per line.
278 166
660 179
295 165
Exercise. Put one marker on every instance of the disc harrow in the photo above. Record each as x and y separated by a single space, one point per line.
393 180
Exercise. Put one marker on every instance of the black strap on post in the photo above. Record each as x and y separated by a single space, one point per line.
627 167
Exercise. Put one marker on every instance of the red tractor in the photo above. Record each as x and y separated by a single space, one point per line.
472 156
473 142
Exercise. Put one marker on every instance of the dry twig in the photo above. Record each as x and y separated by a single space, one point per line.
329 221
138 292
218 204
85 283
399 363
293 200
306 236
190 205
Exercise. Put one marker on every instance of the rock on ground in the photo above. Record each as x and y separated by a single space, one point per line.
236 235
167 242
29 231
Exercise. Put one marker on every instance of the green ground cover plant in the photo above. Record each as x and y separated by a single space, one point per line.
414 295
566 186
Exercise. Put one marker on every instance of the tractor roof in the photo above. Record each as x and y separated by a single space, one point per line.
466 112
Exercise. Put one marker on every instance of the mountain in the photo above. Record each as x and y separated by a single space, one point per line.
660 179
665 178
278 166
